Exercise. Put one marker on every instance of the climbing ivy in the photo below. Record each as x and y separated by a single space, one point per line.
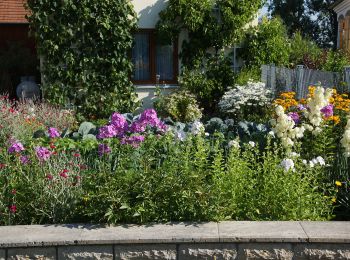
84 46
209 23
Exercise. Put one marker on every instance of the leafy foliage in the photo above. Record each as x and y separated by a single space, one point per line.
314 18
84 47
180 106
208 23
268 43
197 179
208 81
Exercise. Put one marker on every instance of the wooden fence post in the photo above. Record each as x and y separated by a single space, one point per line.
299 80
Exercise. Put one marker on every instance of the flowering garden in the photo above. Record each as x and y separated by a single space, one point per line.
292 165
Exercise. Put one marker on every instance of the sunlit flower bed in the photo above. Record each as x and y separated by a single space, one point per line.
140 169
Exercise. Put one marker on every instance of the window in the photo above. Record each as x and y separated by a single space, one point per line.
151 59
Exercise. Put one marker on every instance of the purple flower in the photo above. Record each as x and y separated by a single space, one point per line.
138 127
295 116
24 159
42 153
107 131
134 140
119 122
148 118
327 111
103 149
53 132
301 107
16 147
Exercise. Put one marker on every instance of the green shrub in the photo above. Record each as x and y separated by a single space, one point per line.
336 61
84 47
180 106
208 82
301 48
246 75
268 43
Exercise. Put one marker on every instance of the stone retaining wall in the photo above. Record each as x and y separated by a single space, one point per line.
225 240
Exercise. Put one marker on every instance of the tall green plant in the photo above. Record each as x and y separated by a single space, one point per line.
268 43
209 23
84 47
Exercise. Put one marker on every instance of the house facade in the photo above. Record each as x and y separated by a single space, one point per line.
17 50
342 8
154 64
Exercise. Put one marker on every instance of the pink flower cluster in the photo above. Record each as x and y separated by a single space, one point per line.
327 111
119 127
42 153
53 132
134 140
16 147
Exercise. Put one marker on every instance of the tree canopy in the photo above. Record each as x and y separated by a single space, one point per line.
313 18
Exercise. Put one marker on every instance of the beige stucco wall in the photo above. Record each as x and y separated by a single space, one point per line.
148 10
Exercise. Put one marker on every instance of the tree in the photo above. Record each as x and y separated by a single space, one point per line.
84 45
313 18
266 44
327 22
209 23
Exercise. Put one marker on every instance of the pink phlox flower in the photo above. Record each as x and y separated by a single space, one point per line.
42 153
53 132
24 159
16 147
119 122
134 140
148 118
107 131
327 111
138 127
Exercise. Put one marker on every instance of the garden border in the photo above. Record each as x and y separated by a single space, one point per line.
224 240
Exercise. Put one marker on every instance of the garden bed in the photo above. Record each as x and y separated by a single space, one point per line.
143 169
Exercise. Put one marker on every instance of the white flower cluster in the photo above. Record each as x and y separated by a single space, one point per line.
287 164
345 141
318 160
234 144
197 128
284 128
316 103
252 94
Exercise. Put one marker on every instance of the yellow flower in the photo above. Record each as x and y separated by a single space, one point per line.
338 183
335 119
334 200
